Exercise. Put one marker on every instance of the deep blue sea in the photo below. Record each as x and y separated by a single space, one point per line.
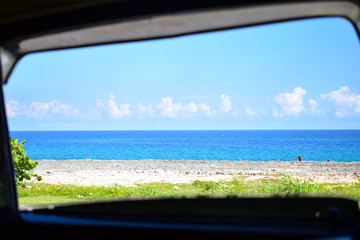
262 145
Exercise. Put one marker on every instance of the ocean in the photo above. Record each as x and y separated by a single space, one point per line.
258 145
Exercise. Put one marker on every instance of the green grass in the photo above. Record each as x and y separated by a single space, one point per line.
35 194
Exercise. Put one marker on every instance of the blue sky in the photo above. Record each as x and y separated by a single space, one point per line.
295 75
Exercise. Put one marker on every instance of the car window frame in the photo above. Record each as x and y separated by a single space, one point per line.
10 210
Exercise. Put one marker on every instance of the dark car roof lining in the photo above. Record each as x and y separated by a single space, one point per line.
75 15
19 10
49 22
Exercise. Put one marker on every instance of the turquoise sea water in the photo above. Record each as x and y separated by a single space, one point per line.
262 145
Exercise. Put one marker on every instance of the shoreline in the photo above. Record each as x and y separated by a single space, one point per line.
132 172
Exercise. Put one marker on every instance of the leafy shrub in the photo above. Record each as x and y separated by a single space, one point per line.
22 163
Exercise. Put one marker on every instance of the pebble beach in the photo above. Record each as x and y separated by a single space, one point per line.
131 172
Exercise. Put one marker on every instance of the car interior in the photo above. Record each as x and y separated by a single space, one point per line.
40 26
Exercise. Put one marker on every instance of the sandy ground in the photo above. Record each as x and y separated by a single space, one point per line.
130 172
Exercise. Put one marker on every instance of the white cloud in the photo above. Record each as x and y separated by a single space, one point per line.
276 113
250 112
345 101
206 109
225 104
117 112
171 109
147 109
168 108
96 110
39 110
313 105
176 110
290 103
189 110
340 114
99 103
12 108
63 109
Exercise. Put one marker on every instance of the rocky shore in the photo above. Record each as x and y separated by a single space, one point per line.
130 172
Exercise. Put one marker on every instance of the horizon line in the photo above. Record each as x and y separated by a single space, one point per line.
106 130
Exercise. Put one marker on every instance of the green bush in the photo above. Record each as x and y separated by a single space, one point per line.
22 163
